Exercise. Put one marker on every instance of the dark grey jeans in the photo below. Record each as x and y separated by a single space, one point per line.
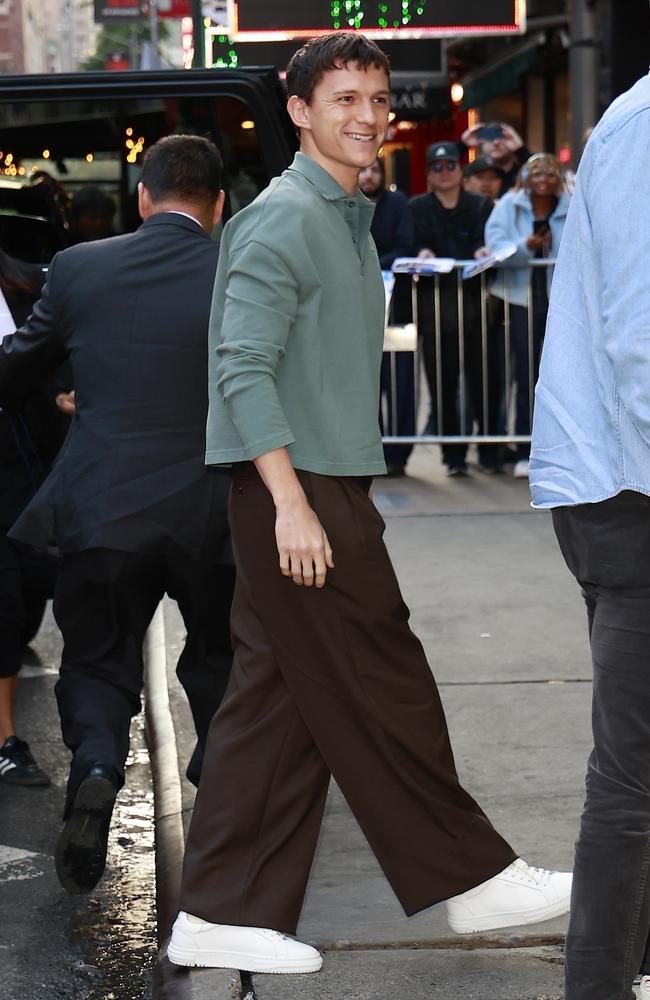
607 548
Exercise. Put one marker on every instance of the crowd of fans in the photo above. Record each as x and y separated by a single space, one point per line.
503 197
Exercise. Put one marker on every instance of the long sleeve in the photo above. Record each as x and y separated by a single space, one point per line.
620 221
403 235
33 352
482 216
260 308
501 231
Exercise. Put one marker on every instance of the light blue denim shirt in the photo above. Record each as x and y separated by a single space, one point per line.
512 221
591 429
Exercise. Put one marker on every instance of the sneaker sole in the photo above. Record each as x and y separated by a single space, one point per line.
495 921
80 855
239 960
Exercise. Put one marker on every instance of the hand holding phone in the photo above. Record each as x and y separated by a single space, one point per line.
488 133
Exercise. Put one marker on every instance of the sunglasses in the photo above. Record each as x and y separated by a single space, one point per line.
439 165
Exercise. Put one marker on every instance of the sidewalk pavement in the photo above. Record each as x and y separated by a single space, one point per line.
504 628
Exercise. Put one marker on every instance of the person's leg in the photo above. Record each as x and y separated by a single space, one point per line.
483 374
607 547
39 575
204 592
453 454
103 604
397 372
12 616
260 802
327 680
17 765
520 362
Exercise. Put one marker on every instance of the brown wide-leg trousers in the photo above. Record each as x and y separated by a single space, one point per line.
326 682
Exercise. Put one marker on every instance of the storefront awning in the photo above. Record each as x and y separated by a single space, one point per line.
501 76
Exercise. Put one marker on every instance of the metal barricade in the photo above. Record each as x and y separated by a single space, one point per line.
478 331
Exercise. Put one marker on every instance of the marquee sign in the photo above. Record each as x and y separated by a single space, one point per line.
260 20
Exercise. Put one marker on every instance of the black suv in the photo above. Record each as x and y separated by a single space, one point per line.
87 132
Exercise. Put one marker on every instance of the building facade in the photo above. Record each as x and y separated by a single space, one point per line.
45 36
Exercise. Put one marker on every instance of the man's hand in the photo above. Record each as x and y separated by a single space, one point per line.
305 552
511 140
481 252
470 136
426 254
66 402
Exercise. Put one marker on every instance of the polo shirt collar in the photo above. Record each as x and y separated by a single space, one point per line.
320 178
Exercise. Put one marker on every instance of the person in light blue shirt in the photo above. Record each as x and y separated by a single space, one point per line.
531 217
590 463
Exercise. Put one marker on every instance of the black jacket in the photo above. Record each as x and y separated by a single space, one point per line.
130 315
30 436
458 234
394 234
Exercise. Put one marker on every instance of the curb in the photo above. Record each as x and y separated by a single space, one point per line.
171 982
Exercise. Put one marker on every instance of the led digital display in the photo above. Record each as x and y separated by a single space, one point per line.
280 19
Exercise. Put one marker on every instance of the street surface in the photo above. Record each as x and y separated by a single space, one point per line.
59 947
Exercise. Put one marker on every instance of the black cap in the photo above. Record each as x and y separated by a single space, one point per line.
443 151
480 164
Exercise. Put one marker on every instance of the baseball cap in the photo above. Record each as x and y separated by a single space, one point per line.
443 151
480 164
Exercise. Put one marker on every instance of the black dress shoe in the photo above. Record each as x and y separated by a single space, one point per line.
80 855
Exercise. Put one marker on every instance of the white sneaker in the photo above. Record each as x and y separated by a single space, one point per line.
520 470
251 949
518 895
644 988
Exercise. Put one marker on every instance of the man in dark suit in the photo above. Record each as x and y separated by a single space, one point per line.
132 507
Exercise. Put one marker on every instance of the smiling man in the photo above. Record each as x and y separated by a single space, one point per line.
328 678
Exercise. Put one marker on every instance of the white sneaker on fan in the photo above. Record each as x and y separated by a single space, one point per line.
518 895
644 988
251 949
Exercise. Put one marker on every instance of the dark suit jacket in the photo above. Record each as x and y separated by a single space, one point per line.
130 315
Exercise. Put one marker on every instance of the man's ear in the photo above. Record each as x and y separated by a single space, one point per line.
218 208
144 202
298 111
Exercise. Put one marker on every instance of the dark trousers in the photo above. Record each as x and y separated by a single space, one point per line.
401 408
325 682
26 582
526 353
104 603
481 368
607 548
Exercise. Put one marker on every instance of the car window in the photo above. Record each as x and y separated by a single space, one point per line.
69 169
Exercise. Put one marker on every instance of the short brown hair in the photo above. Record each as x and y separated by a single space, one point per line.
320 55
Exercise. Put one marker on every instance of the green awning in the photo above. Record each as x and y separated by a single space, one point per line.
499 80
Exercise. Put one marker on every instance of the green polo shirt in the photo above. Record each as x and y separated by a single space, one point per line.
296 329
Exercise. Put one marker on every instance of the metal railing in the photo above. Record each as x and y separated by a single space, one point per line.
434 332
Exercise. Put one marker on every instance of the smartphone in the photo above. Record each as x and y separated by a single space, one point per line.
490 132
